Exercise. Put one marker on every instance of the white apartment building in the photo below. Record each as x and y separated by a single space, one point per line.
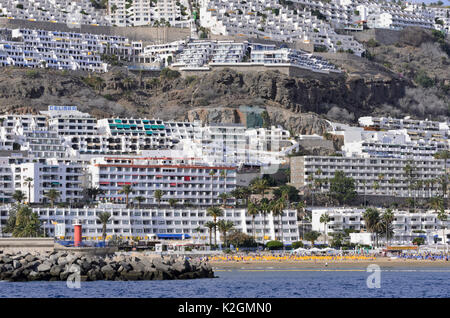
268 19
68 178
149 12
61 11
6 181
397 21
63 50
163 53
68 121
180 179
201 54
406 225
426 128
373 176
150 223
393 143
12 126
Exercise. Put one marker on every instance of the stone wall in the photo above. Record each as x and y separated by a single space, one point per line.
29 245
248 68
383 36
145 34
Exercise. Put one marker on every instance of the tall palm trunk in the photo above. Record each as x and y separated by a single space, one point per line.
253 227
215 232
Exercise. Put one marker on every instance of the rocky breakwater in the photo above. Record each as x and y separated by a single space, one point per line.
58 266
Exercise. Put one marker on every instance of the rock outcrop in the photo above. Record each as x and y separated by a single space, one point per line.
60 265
300 104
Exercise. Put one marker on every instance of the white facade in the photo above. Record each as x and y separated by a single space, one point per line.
63 50
178 179
200 54
61 11
268 19
146 223
149 12
373 176
67 178
406 225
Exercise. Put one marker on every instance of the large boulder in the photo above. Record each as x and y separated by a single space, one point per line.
160 265
109 272
95 274
6 260
132 275
44 267
181 266
55 270
16 264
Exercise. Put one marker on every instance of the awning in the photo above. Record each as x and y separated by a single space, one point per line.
174 236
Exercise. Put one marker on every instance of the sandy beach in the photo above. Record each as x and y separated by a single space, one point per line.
384 263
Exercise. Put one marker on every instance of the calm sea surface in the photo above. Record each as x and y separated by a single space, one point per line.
407 282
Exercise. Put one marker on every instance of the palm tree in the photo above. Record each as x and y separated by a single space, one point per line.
252 209
325 218
126 189
53 195
223 174
260 186
372 220
139 199
237 195
409 169
436 203
224 227
29 183
215 212
173 202
381 178
312 237
158 194
387 218
392 181
104 218
279 206
224 197
311 184
92 193
210 225
264 208
18 196
442 216
376 186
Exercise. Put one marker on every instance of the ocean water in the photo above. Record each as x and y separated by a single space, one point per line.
285 283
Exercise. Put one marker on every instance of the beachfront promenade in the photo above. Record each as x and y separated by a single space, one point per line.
281 258
335 261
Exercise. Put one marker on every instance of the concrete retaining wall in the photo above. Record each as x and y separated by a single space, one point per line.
30 245
287 70
145 34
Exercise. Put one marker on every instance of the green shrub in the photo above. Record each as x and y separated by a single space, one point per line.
32 74
297 244
372 43
190 79
168 73
274 245
424 80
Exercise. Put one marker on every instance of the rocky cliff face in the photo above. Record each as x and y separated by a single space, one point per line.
300 104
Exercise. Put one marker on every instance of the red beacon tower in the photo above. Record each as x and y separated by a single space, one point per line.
77 233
